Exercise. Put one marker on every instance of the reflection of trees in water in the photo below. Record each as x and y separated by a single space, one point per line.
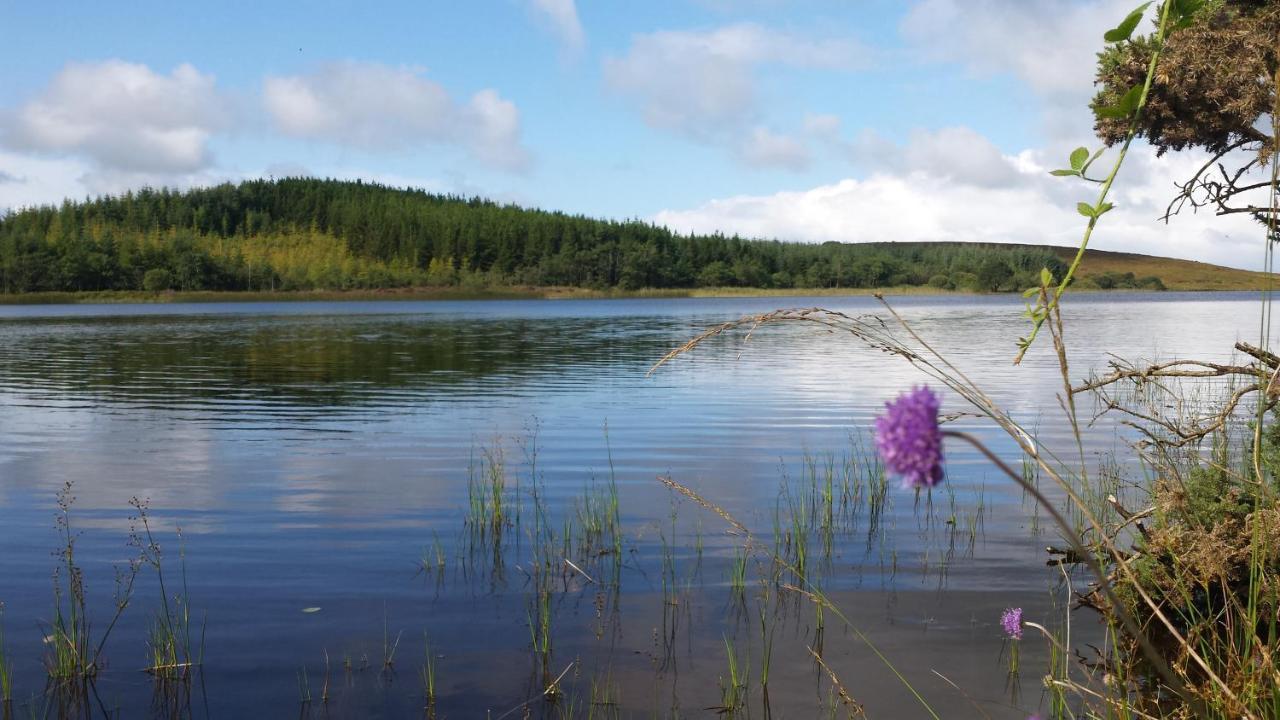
313 362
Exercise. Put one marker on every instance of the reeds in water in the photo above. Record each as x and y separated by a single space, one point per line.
6 672
733 685
172 652
428 675
74 653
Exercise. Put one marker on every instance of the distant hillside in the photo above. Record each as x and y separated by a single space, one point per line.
310 234
1176 274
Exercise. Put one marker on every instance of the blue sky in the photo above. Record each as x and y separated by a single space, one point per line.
854 121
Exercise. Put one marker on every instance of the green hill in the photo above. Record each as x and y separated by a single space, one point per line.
308 234
1175 274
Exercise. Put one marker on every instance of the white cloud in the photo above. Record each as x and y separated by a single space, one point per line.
822 126
122 116
951 153
562 15
1048 44
955 154
928 201
702 83
492 129
113 182
765 149
958 153
50 180
382 108
40 181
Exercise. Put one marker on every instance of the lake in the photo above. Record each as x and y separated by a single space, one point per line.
331 468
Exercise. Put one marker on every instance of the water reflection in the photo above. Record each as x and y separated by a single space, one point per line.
314 454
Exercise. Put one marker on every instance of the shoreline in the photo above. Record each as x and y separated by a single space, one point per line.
139 297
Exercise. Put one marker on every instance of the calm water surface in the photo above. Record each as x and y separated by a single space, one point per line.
312 453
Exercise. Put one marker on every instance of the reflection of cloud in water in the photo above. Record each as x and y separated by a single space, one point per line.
337 446
349 421
111 458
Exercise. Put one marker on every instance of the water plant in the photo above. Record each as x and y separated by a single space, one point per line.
6 672
324 690
389 646
304 686
1190 679
1126 108
605 699
73 652
766 649
738 577
428 674
433 559
487 511
172 652
733 686
912 446
1011 623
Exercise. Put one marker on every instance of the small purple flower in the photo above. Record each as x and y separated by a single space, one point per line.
908 439
1011 621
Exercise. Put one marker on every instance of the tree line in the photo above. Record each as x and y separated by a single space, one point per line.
305 233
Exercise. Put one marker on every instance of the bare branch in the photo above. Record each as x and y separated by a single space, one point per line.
1202 190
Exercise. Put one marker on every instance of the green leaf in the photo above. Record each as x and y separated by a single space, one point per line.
1046 277
1127 26
1028 293
1064 173
1103 208
1093 157
1086 210
1131 99
1125 107
1183 10
1078 156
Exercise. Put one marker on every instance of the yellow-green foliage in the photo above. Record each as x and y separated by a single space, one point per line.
310 259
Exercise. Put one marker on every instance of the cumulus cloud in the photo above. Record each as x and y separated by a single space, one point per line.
701 83
122 116
766 149
39 181
949 153
98 181
956 154
382 108
562 16
1049 45
1007 200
